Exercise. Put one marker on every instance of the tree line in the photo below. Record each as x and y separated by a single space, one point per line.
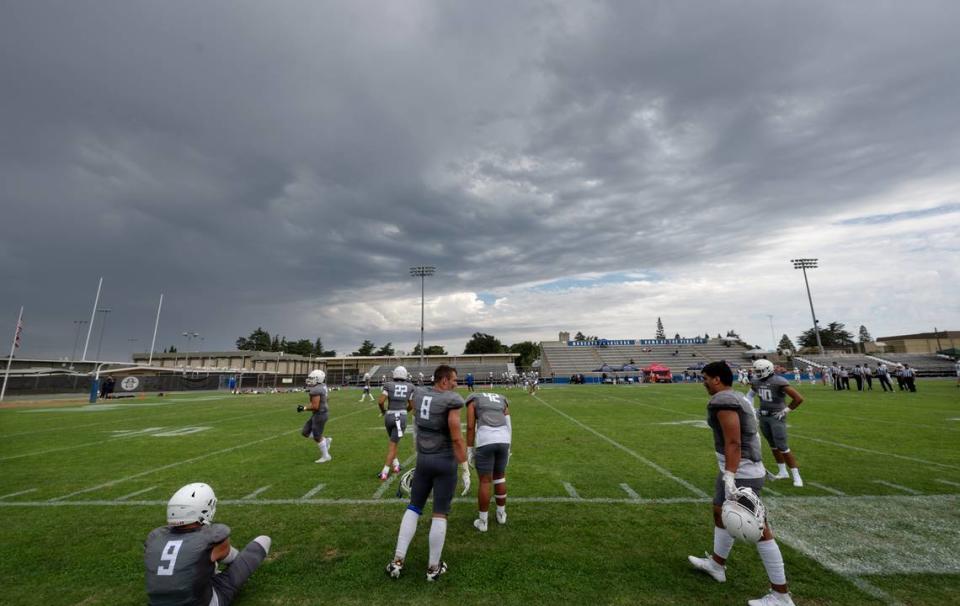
260 340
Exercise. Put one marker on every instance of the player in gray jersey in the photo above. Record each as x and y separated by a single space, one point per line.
397 395
315 425
737 450
490 430
440 446
181 558
772 391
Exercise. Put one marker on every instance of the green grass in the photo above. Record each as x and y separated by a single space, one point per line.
874 545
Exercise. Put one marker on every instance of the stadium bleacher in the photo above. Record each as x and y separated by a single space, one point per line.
925 364
564 360
843 359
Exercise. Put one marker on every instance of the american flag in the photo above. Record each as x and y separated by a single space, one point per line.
16 339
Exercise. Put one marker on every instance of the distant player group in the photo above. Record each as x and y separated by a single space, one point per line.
182 557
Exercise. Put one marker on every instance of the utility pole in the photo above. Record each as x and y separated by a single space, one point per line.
423 271
103 327
806 264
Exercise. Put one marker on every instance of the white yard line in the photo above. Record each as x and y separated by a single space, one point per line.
378 493
839 493
571 490
256 493
949 483
192 460
897 487
632 453
872 590
16 494
630 492
771 491
313 491
133 494
871 451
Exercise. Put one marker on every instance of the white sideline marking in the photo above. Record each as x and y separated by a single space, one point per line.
839 493
313 491
632 453
868 450
870 589
133 494
378 493
947 482
897 487
771 491
256 492
571 490
16 494
191 460
630 492
692 423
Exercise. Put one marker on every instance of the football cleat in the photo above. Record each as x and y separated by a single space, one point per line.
323 459
501 517
396 468
434 573
709 566
774 598
383 476
394 569
798 482
480 525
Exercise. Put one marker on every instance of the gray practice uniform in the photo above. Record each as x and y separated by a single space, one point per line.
180 573
395 420
492 438
313 428
436 463
750 471
772 394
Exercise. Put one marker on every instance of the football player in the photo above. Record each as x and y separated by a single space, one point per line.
771 389
314 426
489 432
440 447
737 445
366 388
397 394
181 558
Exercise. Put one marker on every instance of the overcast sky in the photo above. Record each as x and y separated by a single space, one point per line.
565 165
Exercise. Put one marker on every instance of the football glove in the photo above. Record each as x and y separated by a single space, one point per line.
470 461
782 414
729 484
300 408
465 477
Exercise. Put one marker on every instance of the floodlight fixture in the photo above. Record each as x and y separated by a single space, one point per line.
804 265
422 271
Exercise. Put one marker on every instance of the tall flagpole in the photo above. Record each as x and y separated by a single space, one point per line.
13 346
155 325
93 315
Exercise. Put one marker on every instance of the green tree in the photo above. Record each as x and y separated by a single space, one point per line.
579 336
431 350
833 335
660 333
481 343
318 349
786 343
386 350
865 335
529 353
366 348
300 347
259 340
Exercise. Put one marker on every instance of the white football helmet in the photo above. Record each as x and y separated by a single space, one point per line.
192 503
366 376
763 368
406 481
401 373
744 515
316 377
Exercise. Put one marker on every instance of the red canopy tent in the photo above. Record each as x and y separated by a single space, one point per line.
658 373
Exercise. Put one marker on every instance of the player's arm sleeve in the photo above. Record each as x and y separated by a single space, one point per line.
220 533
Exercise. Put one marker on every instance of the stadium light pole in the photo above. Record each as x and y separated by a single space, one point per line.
103 327
423 271
156 325
188 335
93 315
805 264
276 369
773 336
76 340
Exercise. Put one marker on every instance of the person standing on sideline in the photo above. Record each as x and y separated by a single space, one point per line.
957 365
315 425
366 389
470 382
397 395
868 376
909 378
901 383
837 381
858 377
489 433
844 378
737 448
883 375
440 447
181 558
772 389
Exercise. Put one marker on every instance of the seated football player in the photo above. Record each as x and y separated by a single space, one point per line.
181 558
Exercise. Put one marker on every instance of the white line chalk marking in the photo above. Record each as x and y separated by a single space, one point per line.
256 492
630 492
868 450
630 452
16 494
897 487
313 491
949 483
378 494
133 494
571 490
771 491
839 493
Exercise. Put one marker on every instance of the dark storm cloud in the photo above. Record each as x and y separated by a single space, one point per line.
253 159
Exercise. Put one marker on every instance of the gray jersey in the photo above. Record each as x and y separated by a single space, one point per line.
749 438
431 408
320 390
397 392
179 570
489 408
771 392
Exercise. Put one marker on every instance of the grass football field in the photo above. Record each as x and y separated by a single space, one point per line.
608 493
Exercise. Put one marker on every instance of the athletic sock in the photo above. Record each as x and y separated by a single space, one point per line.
438 534
385 470
722 542
396 462
408 528
483 516
501 509
795 472
322 445
773 561
782 468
